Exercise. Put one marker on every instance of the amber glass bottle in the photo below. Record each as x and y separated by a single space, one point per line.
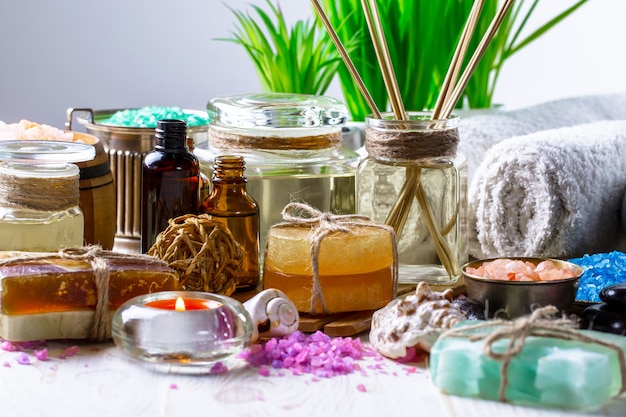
170 181
229 203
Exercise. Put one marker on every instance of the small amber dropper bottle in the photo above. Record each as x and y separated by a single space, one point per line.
230 204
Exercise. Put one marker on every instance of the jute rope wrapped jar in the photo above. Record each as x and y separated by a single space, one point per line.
414 180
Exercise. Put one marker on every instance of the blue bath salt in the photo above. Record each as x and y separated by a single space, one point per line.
149 116
600 271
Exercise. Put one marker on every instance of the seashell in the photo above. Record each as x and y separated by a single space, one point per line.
273 314
414 321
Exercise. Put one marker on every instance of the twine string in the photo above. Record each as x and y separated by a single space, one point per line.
203 252
50 194
101 328
323 224
99 261
540 323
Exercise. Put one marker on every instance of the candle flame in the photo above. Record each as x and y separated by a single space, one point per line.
180 304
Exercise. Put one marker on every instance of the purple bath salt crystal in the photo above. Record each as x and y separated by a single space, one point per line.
600 271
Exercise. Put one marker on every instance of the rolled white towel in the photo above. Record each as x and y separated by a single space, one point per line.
480 132
554 193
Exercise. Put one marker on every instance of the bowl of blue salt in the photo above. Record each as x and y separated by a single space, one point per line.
600 270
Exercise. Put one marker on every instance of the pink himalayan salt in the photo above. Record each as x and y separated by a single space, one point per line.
506 269
317 354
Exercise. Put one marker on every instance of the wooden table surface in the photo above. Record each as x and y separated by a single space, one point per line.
99 380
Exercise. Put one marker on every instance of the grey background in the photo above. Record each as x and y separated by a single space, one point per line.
132 53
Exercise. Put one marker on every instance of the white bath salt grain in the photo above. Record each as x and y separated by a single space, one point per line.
27 130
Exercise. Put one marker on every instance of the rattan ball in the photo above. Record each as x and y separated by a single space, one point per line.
203 252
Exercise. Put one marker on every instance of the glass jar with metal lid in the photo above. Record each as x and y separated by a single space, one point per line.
291 144
39 195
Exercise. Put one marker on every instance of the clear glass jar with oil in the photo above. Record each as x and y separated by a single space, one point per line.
292 147
39 195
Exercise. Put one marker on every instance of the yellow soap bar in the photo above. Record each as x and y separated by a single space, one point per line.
54 284
356 269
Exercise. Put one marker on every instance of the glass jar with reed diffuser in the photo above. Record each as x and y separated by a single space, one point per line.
414 180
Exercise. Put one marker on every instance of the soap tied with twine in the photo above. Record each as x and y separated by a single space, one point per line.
98 258
323 224
504 340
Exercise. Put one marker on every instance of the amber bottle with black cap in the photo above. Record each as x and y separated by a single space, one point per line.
230 204
170 181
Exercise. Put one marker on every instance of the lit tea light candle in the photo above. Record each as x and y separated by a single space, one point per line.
184 304
182 331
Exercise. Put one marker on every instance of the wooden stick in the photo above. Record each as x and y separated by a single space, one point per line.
384 60
346 58
458 57
476 57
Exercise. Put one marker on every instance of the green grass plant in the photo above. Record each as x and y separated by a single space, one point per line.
422 36
298 59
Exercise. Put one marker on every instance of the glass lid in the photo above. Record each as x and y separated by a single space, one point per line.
277 110
46 150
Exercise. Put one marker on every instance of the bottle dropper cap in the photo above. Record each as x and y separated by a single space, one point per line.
171 133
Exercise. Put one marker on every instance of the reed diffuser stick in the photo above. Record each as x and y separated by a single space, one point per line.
377 34
476 57
458 57
346 58
447 99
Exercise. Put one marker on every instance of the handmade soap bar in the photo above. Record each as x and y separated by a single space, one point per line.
548 371
356 267
47 295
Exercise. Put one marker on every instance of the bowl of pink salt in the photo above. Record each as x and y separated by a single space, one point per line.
515 286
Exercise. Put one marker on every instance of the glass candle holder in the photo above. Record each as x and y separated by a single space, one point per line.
414 180
183 331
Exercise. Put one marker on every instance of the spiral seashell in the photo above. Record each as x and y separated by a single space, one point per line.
273 314
414 321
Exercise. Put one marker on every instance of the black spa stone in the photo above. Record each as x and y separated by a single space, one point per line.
615 295
473 309
604 318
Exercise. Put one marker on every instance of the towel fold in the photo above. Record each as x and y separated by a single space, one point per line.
481 131
555 193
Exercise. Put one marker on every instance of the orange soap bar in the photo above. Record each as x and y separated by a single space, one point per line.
55 284
356 269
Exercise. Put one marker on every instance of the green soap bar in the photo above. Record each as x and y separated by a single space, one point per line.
549 371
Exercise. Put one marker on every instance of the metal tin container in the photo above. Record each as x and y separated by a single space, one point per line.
517 298
126 148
